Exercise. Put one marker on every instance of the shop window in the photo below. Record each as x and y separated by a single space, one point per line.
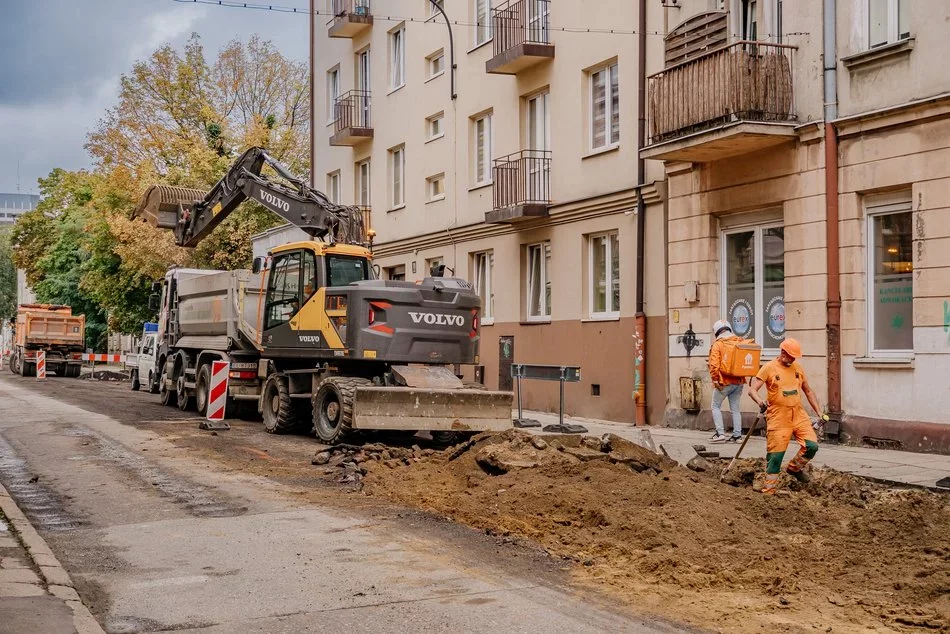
890 302
753 285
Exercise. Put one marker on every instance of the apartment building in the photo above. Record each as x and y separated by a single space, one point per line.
811 200
13 206
518 171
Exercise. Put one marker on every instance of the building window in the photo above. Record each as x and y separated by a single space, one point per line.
397 58
482 21
333 93
397 171
435 266
432 11
890 299
435 64
604 107
482 264
750 20
396 273
604 278
435 187
538 282
753 285
888 22
483 149
363 184
333 187
434 127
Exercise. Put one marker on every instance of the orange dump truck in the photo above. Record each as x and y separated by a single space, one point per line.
52 329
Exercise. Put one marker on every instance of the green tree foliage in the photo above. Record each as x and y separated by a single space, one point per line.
7 277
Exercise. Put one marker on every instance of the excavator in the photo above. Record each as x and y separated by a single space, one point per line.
312 337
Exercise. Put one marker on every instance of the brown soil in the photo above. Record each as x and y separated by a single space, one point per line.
839 554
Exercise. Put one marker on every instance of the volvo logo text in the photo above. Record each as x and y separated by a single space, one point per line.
275 201
438 319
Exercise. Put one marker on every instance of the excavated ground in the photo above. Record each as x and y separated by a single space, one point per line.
839 554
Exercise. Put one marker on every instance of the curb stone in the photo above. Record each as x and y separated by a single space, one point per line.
53 573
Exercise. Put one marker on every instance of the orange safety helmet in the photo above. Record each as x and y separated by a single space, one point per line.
792 348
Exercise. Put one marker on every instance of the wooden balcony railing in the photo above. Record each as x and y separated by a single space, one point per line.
352 109
745 81
522 178
351 7
520 22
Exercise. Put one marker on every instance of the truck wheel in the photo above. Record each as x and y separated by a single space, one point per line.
333 408
152 384
167 396
279 414
135 379
202 387
14 364
184 400
73 371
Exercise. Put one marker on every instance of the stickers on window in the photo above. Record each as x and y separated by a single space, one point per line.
775 311
740 315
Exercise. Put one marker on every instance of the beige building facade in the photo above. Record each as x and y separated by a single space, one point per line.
519 175
819 215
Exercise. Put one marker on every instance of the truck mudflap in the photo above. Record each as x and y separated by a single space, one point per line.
432 409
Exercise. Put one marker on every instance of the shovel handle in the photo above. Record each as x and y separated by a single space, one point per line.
748 435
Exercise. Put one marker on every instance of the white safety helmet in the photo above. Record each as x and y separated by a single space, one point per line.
719 326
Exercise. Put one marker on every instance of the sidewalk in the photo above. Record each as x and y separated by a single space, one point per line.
903 467
36 594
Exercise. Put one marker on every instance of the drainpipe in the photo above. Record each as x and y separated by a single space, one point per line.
640 328
831 207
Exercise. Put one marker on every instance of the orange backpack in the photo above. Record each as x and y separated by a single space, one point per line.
740 357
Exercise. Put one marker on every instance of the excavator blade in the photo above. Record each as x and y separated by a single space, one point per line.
432 409
161 203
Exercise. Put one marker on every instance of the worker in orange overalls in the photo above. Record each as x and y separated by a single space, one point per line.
785 415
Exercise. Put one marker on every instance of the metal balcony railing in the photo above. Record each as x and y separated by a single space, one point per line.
745 81
351 7
352 109
522 178
520 22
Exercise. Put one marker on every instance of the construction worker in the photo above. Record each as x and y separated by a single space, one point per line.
785 415
725 386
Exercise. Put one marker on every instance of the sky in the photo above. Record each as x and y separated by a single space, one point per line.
62 60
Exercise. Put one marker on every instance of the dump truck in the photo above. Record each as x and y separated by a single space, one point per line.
313 338
53 329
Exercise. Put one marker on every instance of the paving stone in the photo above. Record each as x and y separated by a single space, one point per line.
8 542
18 575
56 576
21 590
13 562
64 592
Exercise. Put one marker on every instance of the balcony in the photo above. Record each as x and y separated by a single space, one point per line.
350 18
733 100
352 122
367 222
522 187
522 36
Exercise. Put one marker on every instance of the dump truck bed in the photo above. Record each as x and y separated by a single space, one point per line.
42 325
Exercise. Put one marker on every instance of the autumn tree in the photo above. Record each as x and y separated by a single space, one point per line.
7 277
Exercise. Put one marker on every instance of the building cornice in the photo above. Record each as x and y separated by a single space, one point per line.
909 113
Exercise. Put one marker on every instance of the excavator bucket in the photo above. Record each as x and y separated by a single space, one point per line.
432 409
161 204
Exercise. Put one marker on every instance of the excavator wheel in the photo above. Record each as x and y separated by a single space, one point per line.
333 408
279 414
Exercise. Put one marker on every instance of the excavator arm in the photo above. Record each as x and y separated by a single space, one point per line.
192 214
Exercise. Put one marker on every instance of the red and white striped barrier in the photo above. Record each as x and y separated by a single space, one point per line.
104 358
218 392
40 366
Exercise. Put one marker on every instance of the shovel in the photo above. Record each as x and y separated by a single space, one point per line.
748 435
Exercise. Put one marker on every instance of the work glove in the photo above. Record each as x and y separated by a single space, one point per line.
763 407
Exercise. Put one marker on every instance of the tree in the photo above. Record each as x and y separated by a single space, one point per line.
7 277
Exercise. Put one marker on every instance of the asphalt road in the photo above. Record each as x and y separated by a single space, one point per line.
163 527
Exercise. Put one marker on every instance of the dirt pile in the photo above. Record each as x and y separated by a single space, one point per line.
840 552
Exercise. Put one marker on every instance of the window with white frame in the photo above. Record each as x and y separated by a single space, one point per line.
753 282
434 128
538 282
604 275
397 174
432 11
888 22
483 27
482 264
333 187
397 58
363 183
481 130
890 300
333 92
435 187
604 107
435 64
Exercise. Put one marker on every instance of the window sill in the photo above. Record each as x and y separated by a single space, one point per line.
433 77
435 138
604 150
478 46
488 322
604 317
478 186
536 322
879 54
396 89
883 363
397 208
436 199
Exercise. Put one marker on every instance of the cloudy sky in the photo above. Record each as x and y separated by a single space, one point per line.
62 60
